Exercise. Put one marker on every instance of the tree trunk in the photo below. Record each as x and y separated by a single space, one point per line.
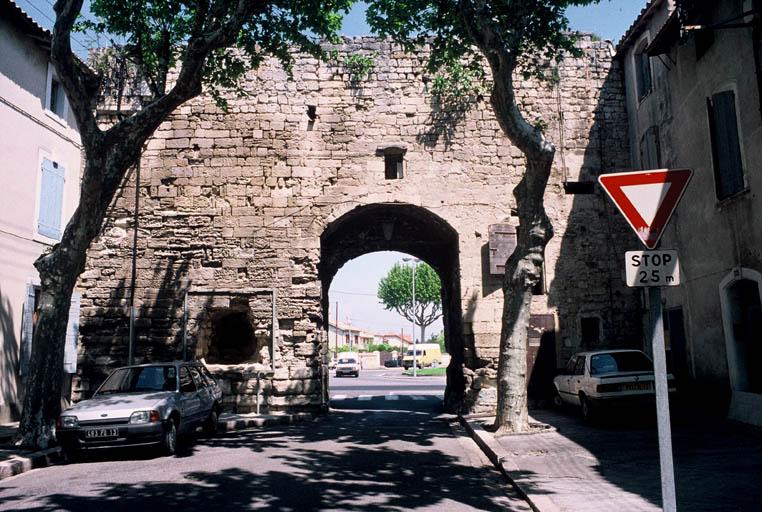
423 332
59 271
523 271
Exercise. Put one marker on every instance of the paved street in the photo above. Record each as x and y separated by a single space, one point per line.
374 452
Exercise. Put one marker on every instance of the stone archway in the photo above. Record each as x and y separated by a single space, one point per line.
413 230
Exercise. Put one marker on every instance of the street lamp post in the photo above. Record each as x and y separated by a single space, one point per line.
415 349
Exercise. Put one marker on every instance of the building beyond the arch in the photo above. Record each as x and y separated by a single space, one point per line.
234 206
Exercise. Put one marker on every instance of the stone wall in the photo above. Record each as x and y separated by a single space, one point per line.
265 198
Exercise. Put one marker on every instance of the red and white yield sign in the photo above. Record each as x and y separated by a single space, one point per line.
647 198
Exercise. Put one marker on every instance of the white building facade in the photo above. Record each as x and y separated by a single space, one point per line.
41 159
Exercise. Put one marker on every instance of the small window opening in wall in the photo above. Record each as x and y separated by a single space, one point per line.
393 167
579 187
642 71
394 161
56 97
312 115
590 327
539 287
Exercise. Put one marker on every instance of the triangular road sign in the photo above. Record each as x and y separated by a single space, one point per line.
647 198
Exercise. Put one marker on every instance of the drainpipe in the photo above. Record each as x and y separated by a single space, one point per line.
131 357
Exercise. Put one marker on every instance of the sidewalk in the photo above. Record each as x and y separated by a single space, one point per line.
14 461
615 465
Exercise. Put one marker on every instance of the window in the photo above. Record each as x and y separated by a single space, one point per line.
55 97
580 368
394 160
591 330
393 166
51 199
186 381
571 365
650 149
726 148
642 71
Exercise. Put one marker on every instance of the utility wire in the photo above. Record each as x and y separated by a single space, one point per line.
52 21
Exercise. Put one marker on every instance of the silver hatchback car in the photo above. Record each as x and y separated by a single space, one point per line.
148 404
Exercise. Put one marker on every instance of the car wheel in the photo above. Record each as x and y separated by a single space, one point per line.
169 442
210 425
587 409
557 400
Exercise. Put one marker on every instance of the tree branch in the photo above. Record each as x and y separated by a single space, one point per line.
80 82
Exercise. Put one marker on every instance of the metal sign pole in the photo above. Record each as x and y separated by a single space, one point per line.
662 400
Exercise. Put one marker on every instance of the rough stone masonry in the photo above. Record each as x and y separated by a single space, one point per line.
246 215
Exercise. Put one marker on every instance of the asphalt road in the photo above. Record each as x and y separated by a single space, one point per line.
373 452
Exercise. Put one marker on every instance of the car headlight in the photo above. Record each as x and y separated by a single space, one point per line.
139 417
68 421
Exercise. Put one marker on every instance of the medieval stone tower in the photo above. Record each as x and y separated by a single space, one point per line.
246 216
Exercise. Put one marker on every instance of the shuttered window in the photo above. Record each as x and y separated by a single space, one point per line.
28 322
650 150
726 148
51 199
642 72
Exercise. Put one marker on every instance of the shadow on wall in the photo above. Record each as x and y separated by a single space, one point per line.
105 325
595 308
10 381
446 114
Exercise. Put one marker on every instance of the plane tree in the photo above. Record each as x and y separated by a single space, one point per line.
395 290
512 39
176 49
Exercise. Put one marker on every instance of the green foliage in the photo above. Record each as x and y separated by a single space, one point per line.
357 66
396 289
156 33
381 347
455 85
344 348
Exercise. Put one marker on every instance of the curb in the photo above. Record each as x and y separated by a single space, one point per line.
17 464
243 421
502 461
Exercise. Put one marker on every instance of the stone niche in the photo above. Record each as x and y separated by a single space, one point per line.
232 334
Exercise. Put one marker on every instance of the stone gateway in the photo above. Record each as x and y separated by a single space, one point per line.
247 214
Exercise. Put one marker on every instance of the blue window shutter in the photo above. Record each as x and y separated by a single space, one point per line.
51 199
27 330
72 333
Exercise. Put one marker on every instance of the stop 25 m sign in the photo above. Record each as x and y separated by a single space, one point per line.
652 268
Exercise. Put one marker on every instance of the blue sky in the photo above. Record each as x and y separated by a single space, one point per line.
354 287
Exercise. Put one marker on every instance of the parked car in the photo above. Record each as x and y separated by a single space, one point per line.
593 380
393 363
143 405
348 364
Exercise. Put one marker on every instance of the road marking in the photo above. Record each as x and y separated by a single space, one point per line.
364 397
392 397
339 397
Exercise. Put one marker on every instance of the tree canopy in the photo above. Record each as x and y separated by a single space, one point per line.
524 37
172 50
396 293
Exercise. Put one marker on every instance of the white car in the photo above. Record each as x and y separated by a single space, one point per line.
601 378
348 365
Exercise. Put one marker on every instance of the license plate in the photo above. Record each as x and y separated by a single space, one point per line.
92 433
637 386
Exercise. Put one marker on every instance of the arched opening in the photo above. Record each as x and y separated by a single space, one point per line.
409 229
742 322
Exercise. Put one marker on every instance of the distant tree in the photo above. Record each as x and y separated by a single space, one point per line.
177 49
523 38
380 347
396 294
439 339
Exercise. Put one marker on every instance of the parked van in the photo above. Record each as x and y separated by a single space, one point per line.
427 354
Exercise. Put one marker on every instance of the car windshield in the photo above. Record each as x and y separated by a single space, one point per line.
418 352
620 362
347 361
140 380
